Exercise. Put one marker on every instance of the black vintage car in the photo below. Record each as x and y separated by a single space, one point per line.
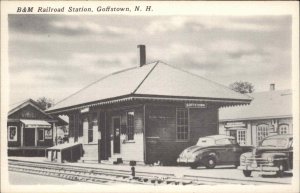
213 150
274 154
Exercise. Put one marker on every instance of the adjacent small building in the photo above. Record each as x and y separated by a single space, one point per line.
30 129
269 113
147 113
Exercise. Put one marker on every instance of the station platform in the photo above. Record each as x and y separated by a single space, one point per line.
226 172
27 151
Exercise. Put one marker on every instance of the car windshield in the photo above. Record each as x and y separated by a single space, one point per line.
206 141
225 141
275 142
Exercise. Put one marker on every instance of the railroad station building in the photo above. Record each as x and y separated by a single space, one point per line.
29 129
147 113
269 113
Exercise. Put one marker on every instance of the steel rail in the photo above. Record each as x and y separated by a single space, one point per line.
86 173
105 175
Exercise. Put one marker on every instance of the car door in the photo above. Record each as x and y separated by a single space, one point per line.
225 151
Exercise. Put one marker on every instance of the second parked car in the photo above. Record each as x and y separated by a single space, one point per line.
274 154
213 150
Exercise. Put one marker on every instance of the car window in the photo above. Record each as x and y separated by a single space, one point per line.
275 142
206 141
223 142
291 143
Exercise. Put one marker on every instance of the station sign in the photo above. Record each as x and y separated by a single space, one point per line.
48 133
196 105
235 124
85 110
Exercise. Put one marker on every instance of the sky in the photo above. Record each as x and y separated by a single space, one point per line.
56 55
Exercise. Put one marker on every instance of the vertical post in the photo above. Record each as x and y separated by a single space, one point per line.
99 135
54 126
22 133
35 136
59 156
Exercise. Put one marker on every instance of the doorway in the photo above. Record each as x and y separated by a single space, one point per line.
116 123
29 136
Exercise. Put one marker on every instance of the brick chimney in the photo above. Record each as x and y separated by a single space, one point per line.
141 55
272 87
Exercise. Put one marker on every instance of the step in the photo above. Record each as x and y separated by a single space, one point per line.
86 159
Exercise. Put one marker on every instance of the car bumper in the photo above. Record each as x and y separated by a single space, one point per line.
185 160
259 168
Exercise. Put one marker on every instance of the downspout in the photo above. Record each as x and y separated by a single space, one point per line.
144 136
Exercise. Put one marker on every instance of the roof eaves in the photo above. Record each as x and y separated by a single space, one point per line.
188 98
256 118
91 104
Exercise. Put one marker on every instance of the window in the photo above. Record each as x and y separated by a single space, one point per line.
275 142
41 134
223 142
130 125
232 133
241 137
93 129
205 142
262 132
182 124
85 130
12 133
283 129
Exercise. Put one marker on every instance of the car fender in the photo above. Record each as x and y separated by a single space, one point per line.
209 153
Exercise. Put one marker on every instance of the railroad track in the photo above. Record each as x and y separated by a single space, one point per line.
106 176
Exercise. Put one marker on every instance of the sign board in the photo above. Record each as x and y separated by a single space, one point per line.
12 133
195 105
235 124
85 110
36 126
48 133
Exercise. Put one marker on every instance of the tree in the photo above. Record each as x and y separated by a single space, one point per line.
242 87
45 103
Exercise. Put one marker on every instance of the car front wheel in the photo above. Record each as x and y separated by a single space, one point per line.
210 163
280 172
247 173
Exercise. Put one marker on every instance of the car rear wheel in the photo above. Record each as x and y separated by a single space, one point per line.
247 173
236 164
194 165
210 163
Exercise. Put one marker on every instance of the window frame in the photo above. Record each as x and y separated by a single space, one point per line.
238 135
187 125
85 129
128 128
38 135
259 139
281 126
92 121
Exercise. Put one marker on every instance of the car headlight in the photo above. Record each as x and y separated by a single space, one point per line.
270 159
243 158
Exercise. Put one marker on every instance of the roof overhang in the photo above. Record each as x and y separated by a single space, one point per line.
26 103
256 118
135 97
30 123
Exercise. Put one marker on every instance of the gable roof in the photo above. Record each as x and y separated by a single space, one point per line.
270 104
19 105
151 80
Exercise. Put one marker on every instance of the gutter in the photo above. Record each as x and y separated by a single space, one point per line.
132 97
